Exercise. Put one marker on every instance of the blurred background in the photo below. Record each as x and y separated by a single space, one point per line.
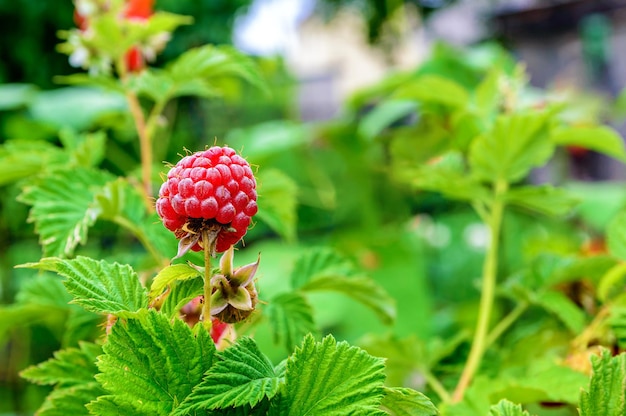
327 63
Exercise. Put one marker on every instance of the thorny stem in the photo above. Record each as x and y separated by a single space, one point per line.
490 267
208 288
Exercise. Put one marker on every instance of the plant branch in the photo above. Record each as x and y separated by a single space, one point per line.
490 267
506 323
145 141
208 288
436 386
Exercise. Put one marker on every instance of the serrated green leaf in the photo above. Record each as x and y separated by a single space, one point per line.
506 408
383 115
517 143
212 62
46 290
181 292
86 150
606 394
487 96
277 206
543 199
99 286
360 288
71 400
243 375
21 159
542 380
601 139
71 366
563 307
118 201
150 364
63 208
159 22
616 236
290 318
447 176
107 405
321 261
399 401
170 274
434 89
332 378
612 283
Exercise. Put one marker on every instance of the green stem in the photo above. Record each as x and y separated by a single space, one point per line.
506 323
490 266
208 288
436 386
145 141
141 236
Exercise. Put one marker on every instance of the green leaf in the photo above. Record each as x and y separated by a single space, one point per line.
332 378
516 144
71 400
21 159
86 150
46 290
212 62
278 202
13 96
63 208
71 366
383 115
447 176
360 288
242 375
434 89
399 401
78 108
120 202
612 283
181 292
616 236
563 307
73 371
601 139
506 408
317 262
606 394
544 199
99 286
150 364
290 317
169 275
105 82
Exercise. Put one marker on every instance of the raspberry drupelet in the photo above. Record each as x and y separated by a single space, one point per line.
212 190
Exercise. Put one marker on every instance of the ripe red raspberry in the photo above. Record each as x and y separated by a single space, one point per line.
212 190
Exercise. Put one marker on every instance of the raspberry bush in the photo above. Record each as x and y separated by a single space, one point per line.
149 322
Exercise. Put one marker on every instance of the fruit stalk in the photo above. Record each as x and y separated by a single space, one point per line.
208 288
